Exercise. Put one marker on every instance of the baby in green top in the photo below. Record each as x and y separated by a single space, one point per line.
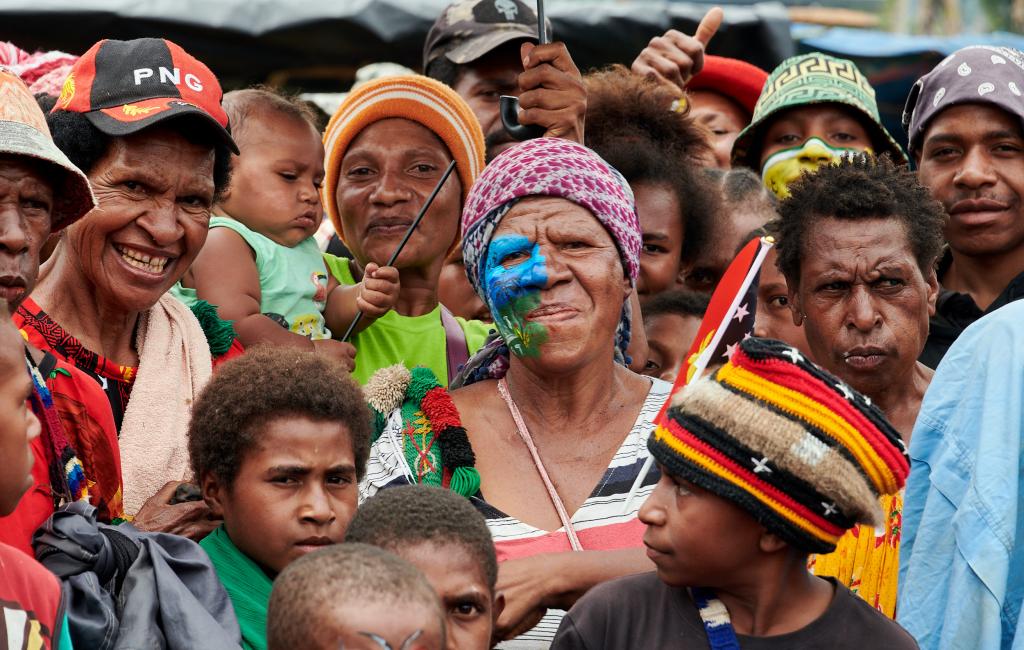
260 265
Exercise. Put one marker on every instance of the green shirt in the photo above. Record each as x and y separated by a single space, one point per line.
412 340
293 281
247 585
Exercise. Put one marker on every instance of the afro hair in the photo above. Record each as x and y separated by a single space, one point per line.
265 384
859 188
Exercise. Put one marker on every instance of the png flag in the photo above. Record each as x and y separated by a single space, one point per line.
727 321
730 314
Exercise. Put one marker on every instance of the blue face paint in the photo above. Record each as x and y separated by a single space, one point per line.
514 275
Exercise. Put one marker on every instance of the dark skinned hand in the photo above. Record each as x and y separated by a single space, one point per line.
674 58
192 519
552 92
526 584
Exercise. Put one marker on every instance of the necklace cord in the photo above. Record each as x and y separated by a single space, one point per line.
524 433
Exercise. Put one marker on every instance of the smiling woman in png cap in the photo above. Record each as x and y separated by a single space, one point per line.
156 155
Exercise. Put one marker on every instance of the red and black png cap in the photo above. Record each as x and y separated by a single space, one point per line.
126 86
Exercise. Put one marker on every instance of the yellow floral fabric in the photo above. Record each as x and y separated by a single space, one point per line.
867 560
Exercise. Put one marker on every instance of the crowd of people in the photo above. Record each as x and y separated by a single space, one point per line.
458 417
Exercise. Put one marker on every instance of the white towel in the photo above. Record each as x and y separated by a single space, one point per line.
174 365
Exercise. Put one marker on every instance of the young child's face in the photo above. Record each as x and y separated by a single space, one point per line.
18 424
275 182
669 337
382 626
294 493
774 319
661 220
696 538
468 600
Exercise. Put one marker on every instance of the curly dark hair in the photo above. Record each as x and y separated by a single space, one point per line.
264 384
859 187
630 125
85 145
413 514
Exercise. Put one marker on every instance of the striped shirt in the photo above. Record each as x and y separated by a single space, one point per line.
602 523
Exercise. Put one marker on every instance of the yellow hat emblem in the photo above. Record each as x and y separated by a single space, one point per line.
67 91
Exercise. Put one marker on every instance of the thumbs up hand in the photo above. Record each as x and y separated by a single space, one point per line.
674 57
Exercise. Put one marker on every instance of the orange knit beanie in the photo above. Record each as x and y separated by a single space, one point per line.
413 97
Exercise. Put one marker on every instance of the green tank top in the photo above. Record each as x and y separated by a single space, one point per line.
293 281
412 340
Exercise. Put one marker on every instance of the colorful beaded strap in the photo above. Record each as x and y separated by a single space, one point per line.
715 617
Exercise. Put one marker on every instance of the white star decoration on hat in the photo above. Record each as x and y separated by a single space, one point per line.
830 508
761 465
793 354
845 390
741 312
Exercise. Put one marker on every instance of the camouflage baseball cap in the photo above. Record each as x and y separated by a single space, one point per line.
469 29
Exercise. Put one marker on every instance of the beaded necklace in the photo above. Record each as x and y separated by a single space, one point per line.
67 476
715 617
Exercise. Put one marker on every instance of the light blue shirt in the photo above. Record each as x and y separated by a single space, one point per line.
962 554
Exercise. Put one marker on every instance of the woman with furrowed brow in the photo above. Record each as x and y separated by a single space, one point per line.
549 426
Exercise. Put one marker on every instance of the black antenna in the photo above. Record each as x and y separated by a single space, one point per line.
509 105
405 239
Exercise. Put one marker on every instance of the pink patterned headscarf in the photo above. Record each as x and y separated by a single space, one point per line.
549 167
546 167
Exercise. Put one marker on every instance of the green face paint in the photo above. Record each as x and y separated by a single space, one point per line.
784 167
514 275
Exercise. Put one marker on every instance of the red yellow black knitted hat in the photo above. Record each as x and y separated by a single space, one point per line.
802 452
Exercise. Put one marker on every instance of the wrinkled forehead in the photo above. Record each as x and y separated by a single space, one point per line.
382 136
831 241
532 215
16 167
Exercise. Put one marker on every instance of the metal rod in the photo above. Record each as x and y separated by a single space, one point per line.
405 239
542 27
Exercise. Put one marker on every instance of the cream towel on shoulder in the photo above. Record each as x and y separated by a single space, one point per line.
174 365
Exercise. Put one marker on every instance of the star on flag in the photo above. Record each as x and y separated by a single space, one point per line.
741 313
728 350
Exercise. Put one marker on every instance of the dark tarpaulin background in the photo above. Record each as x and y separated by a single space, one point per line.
319 44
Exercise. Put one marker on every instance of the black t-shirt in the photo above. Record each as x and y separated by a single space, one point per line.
955 312
640 612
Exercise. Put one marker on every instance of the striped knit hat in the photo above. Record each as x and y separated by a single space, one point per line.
413 97
802 452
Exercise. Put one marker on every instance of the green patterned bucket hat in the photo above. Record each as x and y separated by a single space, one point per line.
813 78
